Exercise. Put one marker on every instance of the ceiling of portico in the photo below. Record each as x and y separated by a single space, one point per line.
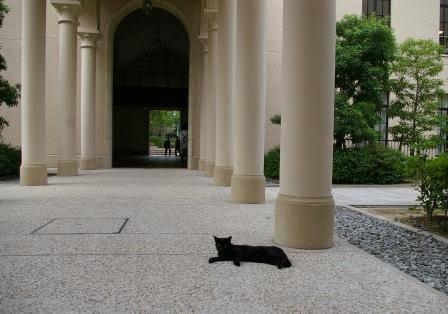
154 42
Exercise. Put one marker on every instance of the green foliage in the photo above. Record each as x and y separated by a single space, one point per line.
162 123
354 120
3 11
431 180
157 141
9 160
9 93
272 163
375 164
276 119
164 117
365 48
418 90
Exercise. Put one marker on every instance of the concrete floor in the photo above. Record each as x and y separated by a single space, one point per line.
139 240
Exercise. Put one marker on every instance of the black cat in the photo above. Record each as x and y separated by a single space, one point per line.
245 253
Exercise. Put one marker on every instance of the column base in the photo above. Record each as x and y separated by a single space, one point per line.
67 168
209 169
248 189
201 166
194 163
222 176
87 164
33 175
304 222
100 162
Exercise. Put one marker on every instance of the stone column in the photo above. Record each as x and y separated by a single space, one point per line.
225 84
304 216
203 114
248 181
211 15
33 170
88 100
68 23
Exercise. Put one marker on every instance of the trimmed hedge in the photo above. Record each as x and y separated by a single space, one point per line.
375 164
272 163
10 159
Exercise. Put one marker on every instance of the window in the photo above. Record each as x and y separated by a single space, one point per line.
443 29
444 112
383 125
381 8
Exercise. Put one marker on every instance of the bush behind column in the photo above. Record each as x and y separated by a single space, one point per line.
10 159
374 164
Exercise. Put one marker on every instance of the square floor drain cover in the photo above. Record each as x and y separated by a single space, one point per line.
83 226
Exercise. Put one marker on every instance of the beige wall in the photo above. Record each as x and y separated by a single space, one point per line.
273 70
415 18
344 7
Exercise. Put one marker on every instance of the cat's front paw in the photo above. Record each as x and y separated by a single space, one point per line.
212 260
236 263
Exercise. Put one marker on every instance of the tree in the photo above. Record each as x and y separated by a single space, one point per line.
417 90
162 121
9 93
365 48
430 176
355 120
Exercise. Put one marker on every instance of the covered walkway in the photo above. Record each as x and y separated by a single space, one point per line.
139 240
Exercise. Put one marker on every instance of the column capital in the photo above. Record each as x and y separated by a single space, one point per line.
89 39
68 10
203 39
212 18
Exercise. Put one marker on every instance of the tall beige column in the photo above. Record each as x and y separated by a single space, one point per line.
211 15
33 170
225 91
68 23
203 115
304 216
248 181
88 95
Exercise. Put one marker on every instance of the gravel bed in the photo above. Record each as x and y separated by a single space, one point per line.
418 255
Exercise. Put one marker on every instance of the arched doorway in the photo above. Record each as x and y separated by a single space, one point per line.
150 87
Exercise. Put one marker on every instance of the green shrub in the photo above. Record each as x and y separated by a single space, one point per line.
157 141
272 163
10 160
375 164
430 177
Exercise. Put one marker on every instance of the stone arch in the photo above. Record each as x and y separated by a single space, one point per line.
124 11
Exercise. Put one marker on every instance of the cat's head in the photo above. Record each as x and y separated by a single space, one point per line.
222 243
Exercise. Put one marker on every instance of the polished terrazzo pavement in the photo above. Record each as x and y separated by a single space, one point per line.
138 240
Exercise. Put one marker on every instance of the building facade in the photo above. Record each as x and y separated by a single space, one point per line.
414 18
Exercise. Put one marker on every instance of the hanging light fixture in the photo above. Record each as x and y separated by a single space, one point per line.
147 6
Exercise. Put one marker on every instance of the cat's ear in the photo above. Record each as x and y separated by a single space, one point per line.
229 239
216 239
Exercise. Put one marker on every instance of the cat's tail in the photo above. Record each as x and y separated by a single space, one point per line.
285 263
